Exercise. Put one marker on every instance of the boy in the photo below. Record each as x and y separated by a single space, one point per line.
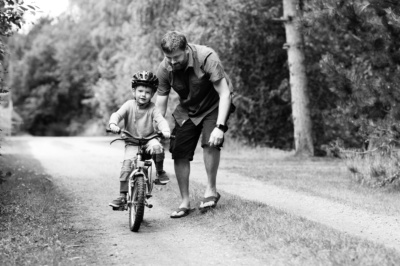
139 117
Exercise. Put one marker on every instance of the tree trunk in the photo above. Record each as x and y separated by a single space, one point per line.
298 81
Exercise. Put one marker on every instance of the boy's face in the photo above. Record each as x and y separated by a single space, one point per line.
143 94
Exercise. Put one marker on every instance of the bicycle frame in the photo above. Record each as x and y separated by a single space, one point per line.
140 181
141 167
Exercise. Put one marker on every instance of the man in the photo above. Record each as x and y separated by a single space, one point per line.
197 75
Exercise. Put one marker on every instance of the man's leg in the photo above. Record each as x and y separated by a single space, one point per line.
182 149
182 171
211 157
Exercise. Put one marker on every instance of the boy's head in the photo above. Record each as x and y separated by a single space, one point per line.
144 85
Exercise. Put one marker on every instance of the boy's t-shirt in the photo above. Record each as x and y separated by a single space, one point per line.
139 120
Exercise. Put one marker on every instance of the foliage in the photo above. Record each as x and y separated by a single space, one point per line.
57 73
359 61
11 16
351 60
376 169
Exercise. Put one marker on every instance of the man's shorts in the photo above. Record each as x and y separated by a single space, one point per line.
187 136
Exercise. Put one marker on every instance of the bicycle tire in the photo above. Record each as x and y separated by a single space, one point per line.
136 209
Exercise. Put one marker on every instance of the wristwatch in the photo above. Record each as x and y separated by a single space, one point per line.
224 128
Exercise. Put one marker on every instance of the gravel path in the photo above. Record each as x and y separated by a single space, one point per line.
378 228
87 169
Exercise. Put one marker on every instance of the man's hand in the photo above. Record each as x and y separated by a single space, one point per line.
114 128
166 134
216 137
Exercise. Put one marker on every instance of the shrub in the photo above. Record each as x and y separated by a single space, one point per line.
376 168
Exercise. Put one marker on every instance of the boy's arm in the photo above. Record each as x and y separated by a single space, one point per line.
116 117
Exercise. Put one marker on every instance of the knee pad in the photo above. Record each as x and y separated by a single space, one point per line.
159 157
126 166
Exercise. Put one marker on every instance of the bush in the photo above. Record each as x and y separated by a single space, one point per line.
374 168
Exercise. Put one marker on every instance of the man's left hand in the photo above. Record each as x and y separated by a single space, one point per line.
216 137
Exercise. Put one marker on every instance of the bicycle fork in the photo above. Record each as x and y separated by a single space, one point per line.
132 181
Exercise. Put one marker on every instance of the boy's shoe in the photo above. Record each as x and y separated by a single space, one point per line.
119 202
162 178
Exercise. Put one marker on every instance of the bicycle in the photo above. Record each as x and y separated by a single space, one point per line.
140 181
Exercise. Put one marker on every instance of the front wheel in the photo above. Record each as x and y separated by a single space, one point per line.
136 207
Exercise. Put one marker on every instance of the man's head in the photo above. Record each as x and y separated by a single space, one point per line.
144 85
175 48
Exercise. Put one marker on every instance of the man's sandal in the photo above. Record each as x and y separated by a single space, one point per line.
214 199
181 212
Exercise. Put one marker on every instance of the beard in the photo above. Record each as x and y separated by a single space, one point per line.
176 67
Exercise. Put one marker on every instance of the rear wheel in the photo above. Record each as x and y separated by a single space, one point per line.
136 208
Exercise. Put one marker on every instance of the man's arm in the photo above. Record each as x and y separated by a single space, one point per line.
222 88
161 104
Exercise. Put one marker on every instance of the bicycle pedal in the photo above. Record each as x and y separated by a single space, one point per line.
148 196
118 208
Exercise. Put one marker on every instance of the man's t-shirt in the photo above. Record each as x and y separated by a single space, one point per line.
194 84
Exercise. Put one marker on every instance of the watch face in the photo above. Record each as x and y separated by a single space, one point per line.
222 127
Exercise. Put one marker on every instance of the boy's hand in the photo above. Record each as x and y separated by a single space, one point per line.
166 134
114 128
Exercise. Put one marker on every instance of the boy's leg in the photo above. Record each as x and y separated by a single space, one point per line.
123 178
130 152
155 148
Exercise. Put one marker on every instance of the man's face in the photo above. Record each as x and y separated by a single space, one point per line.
142 94
178 59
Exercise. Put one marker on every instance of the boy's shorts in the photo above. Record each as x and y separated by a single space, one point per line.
187 136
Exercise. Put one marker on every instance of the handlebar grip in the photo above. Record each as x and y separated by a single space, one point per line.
108 130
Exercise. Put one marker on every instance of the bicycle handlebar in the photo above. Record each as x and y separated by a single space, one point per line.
131 137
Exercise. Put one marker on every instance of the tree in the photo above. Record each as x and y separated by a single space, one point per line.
11 16
298 80
360 64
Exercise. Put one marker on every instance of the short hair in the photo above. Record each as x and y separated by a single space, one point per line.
172 41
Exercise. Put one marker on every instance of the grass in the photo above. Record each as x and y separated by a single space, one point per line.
277 237
327 178
34 227
375 169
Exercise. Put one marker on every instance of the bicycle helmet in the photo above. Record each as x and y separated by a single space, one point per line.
145 78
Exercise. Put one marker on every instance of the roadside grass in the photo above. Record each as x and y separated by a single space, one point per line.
34 227
375 169
327 178
274 236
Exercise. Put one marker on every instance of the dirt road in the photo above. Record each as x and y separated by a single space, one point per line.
86 169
